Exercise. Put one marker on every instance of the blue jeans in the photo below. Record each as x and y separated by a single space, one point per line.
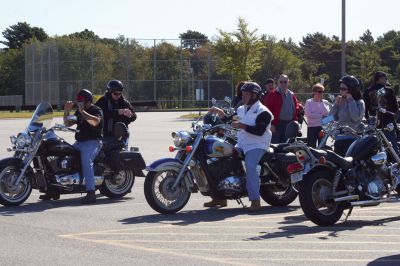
89 150
252 158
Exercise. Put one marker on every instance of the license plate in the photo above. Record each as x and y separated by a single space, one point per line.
296 177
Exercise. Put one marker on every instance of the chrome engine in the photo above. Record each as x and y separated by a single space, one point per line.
232 185
74 179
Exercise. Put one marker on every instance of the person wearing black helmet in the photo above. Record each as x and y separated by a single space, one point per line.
254 138
349 107
88 137
115 108
388 101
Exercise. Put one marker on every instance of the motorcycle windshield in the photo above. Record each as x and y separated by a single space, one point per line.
42 117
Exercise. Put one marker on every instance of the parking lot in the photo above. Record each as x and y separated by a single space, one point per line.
129 232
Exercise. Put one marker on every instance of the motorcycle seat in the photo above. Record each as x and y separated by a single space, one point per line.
318 153
344 162
279 147
111 143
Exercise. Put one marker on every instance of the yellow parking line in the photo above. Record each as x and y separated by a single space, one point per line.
160 251
244 241
282 233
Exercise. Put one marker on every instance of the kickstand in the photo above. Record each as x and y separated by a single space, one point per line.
240 202
348 214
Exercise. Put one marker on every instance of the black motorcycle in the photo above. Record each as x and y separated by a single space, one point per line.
46 162
367 176
207 161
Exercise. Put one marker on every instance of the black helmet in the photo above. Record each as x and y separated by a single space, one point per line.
251 87
115 85
84 96
350 81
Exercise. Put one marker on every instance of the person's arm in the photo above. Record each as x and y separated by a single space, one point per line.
308 112
262 122
93 120
356 109
367 103
67 109
392 102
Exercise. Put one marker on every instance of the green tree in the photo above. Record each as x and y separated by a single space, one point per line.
20 33
12 72
239 52
193 39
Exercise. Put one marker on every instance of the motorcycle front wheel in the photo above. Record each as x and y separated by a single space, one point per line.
118 185
161 196
11 195
317 200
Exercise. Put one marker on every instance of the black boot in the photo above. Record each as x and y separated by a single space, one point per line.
49 196
90 198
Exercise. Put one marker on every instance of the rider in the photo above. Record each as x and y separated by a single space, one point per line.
349 107
115 108
254 137
88 137
388 101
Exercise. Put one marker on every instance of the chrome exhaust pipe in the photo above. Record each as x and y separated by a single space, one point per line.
368 202
346 198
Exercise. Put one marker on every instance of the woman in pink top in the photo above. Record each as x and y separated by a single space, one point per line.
315 109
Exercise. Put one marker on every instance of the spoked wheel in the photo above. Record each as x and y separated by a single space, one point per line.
159 192
13 195
278 195
317 200
119 185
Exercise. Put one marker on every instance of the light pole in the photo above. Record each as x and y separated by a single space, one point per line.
343 37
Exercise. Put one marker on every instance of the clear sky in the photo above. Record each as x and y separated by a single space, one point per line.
166 19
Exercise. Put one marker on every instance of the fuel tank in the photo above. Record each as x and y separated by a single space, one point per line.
58 147
363 148
216 147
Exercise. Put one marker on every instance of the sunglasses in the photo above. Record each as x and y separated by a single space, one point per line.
319 91
116 93
343 89
283 82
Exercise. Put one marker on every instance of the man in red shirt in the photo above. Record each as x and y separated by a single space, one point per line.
283 104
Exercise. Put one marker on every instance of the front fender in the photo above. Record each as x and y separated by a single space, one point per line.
165 164
10 161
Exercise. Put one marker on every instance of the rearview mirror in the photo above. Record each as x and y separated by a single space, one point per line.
331 97
227 99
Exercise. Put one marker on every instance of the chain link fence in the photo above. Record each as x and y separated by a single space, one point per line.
172 73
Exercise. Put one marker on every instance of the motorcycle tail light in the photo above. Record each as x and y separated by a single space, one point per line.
171 148
301 156
321 134
188 148
294 167
322 160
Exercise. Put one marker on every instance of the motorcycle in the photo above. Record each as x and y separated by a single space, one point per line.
365 177
44 161
210 164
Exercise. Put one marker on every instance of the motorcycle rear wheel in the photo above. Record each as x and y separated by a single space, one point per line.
316 198
160 195
278 195
13 195
118 186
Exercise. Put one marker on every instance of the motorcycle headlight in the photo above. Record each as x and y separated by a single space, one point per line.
13 139
181 138
23 140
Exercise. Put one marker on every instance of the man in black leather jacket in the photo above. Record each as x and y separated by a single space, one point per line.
115 108
388 101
